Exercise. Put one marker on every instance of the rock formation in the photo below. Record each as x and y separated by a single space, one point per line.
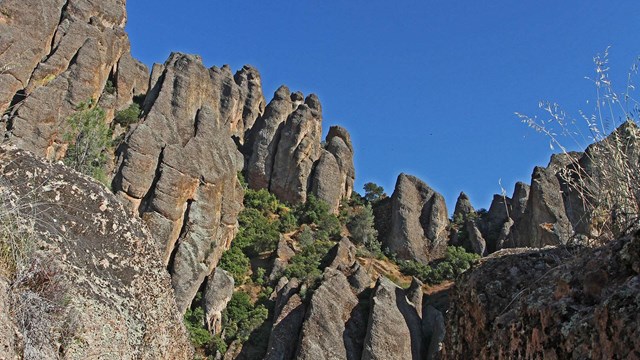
548 303
334 174
286 156
217 294
419 221
56 55
94 283
179 166
394 330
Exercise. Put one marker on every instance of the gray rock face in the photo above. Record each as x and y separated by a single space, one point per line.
297 151
544 221
283 254
282 341
419 221
59 54
115 290
434 328
286 156
463 207
492 223
179 168
326 333
394 330
519 202
474 242
217 295
334 173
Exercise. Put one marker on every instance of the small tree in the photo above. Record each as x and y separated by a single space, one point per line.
361 227
89 141
373 192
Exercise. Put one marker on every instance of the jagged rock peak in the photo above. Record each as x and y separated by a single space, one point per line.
419 221
178 170
463 206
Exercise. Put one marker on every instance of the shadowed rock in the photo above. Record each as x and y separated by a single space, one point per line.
419 221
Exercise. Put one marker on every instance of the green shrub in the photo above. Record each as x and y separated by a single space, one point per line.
456 261
373 192
89 141
241 317
261 200
257 232
109 87
312 211
217 344
288 221
329 228
305 265
361 228
194 322
236 263
128 116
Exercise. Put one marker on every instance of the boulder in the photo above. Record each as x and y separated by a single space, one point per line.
283 254
95 274
217 294
394 329
474 241
179 171
419 221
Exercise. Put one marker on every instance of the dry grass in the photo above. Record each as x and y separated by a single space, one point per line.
605 181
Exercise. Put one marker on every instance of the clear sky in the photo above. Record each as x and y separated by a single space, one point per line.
424 87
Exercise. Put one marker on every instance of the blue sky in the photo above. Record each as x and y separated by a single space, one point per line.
425 87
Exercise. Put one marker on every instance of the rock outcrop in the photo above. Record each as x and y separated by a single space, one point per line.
217 294
334 174
394 329
552 303
179 169
419 221
56 55
94 285
286 157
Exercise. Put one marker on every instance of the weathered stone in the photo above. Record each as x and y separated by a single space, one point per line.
326 333
217 294
548 303
414 295
282 256
283 337
297 151
359 279
117 294
394 330
265 136
493 222
474 242
179 171
75 51
544 221
8 343
433 327
342 257
334 173
463 207
520 199
419 221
